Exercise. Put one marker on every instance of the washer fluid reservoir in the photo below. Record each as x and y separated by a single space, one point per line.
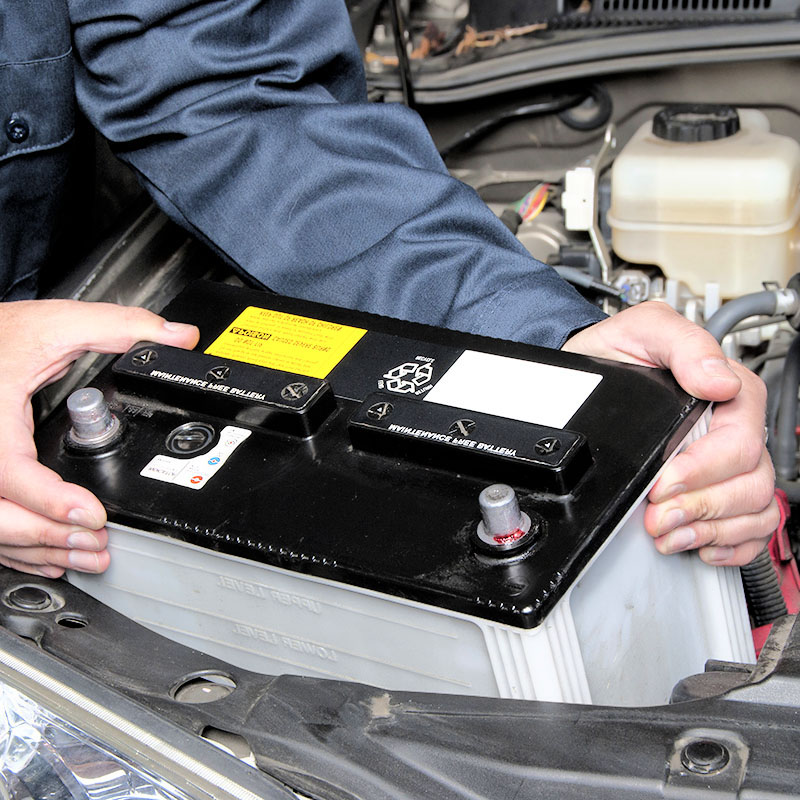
709 194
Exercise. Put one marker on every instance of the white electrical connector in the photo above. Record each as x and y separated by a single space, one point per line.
577 199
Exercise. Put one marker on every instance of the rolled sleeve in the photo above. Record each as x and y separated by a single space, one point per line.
248 123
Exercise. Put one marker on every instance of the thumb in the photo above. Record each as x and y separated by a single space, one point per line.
694 357
109 328
655 335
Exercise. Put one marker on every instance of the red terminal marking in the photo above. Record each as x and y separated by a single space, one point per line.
510 537
196 479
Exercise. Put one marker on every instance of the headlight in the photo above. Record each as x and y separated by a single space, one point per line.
44 756
66 736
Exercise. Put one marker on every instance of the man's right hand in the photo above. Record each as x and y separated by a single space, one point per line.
47 525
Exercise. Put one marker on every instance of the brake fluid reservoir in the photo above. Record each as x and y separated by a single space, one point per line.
709 194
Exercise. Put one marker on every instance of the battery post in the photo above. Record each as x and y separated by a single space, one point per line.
94 426
504 527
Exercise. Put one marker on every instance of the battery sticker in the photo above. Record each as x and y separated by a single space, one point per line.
287 342
515 389
195 473
410 377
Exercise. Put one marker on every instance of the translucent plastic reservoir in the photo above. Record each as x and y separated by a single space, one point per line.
724 211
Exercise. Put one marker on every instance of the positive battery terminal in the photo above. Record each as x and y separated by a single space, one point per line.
503 526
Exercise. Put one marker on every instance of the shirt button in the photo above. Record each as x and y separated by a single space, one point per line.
17 129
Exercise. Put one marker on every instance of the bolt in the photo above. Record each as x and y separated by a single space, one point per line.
380 410
547 446
462 427
705 757
220 373
144 357
294 391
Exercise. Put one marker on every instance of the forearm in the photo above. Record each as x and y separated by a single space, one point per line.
271 154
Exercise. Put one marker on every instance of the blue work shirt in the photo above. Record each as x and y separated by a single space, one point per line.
248 123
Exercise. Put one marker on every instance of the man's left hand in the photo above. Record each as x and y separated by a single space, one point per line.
717 495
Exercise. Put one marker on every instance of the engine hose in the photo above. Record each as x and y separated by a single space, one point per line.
792 489
541 108
784 449
763 592
734 311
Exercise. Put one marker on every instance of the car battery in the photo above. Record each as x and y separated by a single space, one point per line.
319 491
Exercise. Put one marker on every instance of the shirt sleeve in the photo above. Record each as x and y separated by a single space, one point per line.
248 123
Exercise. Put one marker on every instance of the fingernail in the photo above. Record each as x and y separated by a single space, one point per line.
84 518
49 572
717 368
718 555
83 561
672 491
672 519
680 539
176 327
83 540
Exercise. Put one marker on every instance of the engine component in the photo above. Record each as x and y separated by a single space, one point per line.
708 203
329 526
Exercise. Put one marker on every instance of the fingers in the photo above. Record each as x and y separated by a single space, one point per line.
748 493
734 445
46 524
717 537
733 556
727 521
718 495
33 486
32 543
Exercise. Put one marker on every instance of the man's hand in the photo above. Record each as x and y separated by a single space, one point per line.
47 525
718 495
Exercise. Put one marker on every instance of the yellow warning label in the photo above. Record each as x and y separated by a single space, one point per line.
305 346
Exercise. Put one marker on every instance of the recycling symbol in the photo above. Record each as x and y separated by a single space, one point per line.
408 377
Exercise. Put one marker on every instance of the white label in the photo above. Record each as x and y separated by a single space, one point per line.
514 389
194 473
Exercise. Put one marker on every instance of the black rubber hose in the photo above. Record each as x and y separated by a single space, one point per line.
734 311
550 106
791 488
784 449
763 592
401 40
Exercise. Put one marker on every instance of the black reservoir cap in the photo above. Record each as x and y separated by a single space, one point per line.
535 456
699 122
267 398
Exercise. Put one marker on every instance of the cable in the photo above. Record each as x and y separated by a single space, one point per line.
765 599
785 447
580 278
401 40
551 106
